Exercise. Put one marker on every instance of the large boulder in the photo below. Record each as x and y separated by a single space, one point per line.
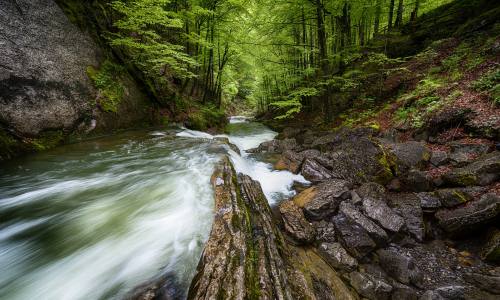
43 79
356 217
325 231
246 256
275 146
451 197
475 213
323 200
337 256
369 286
410 155
379 211
483 171
354 155
314 171
295 223
408 205
491 250
400 266
352 236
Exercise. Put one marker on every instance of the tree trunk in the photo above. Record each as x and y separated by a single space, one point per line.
399 17
414 13
378 9
391 15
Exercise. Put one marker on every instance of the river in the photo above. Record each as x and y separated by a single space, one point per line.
94 219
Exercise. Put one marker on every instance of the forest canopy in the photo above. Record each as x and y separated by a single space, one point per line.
272 54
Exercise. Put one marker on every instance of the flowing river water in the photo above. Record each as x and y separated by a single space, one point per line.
92 220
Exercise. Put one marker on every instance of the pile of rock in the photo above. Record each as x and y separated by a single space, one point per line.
381 214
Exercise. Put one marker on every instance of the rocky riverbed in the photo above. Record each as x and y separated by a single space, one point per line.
383 219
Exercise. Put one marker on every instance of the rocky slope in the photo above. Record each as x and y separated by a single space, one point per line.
46 93
397 220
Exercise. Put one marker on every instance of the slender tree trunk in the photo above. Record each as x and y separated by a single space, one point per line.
378 9
321 37
304 38
391 15
414 13
399 17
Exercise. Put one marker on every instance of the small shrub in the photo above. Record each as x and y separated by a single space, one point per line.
489 83
106 81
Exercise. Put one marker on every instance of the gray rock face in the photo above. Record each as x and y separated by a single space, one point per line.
490 283
353 237
295 222
455 196
43 80
408 207
315 172
410 154
369 286
439 158
337 256
429 200
325 232
475 213
483 171
372 190
328 196
355 216
400 266
380 212
491 250
275 146
417 181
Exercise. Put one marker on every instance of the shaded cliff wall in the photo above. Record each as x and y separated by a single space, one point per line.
46 92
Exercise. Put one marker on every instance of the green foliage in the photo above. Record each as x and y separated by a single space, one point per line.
106 80
490 83
292 104
206 117
141 33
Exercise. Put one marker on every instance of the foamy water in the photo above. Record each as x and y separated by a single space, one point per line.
95 219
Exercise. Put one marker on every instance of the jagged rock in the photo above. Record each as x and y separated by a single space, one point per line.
325 231
408 207
403 292
490 283
491 250
410 155
355 198
337 256
353 237
246 257
400 266
483 171
466 147
455 292
417 181
455 196
295 222
165 288
275 146
43 80
372 190
439 158
355 216
470 216
289 132
429 200
314 172
380 212
225 140
370 286
290 161
323 200
354 156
